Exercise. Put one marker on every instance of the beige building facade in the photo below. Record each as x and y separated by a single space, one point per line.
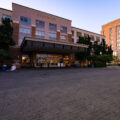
77 32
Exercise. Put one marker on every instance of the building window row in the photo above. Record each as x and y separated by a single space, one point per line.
26 32
41 24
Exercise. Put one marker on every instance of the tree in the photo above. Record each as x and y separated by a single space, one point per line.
109 50
6 31
84 55
4 55
97 53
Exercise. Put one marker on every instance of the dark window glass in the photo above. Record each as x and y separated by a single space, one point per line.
25 20
40 24
63 29
52 27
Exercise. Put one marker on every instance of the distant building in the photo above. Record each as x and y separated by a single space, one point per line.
112 32
77 32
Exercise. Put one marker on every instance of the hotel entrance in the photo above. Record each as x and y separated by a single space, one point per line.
45 53
52 60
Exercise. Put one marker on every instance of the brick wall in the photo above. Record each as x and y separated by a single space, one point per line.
15 32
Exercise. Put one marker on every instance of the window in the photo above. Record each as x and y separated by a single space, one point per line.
40 34
25 20
52 27
118 27
92 37
6 16
98 39
79 34
52 36
25 30
118 40
86 35
40 24
118 31
110 29
63 37
118 45
63 29
72 32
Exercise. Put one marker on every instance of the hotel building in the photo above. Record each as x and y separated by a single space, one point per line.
77 32
112 32
44 39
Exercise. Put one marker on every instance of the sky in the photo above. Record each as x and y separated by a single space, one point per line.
85 14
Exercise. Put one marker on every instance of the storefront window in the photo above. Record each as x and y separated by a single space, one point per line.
26 60
50 60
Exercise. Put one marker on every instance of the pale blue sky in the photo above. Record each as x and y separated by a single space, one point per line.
85 14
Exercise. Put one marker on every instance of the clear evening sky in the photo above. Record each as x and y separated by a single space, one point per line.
85 14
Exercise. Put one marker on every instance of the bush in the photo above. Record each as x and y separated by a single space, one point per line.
101 60
100 64
4 55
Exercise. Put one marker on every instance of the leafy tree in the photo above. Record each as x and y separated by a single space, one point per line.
101 53
109 50
103 47
97 48
4 55
6 31
87 41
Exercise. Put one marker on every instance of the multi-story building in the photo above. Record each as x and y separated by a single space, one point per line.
43 39
77 32
112 32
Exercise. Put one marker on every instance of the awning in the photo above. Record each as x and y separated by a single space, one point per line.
30 44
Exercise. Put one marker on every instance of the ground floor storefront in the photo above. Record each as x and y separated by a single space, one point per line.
43 60
45 53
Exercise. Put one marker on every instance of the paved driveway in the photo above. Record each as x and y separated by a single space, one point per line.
60 94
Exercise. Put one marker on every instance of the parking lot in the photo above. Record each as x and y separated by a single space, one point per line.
60 94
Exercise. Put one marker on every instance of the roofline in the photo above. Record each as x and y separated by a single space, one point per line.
41 11
110 22
88 31
6 9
